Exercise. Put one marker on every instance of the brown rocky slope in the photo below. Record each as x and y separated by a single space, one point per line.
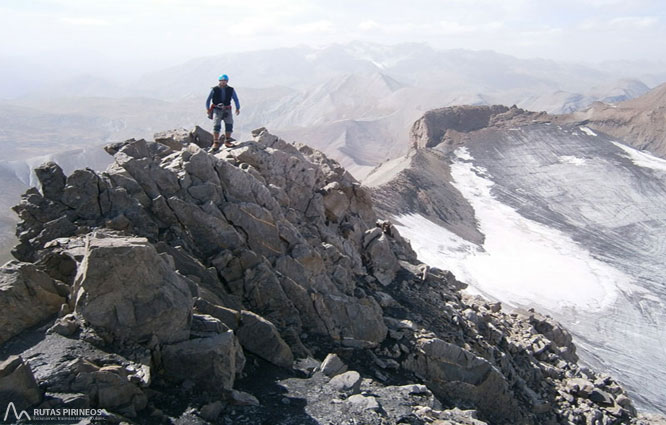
639 122
256 285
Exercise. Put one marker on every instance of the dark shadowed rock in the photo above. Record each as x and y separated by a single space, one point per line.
17 384
81 193
381 261
259 336
27 297
52 179
211 362
453 372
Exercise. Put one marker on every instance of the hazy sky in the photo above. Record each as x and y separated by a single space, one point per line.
110 34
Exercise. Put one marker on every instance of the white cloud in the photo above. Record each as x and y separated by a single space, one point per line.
369 25
85 21
454 28
253 26
602 3
322 26
155 29
264 25
633 22
620 23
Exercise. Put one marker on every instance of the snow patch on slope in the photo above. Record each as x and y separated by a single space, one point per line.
522 262
568 159
588 131
643 159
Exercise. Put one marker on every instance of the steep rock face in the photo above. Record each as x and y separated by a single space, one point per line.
175 260
445 126
419 183
432 128
421 187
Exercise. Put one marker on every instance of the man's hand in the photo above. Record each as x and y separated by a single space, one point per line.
237 111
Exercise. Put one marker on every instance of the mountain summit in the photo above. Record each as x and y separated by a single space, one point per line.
257 286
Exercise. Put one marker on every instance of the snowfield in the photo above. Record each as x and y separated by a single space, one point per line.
575 226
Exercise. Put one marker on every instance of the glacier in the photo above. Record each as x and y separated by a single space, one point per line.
575 226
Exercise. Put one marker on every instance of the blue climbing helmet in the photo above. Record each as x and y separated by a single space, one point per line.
224 77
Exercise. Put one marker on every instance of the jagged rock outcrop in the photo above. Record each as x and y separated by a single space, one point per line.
445 127
217 281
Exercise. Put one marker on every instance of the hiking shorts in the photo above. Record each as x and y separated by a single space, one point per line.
228 120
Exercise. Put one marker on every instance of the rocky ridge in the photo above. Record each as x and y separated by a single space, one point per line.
258 286
420 181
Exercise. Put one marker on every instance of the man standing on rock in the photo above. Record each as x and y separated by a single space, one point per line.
220 110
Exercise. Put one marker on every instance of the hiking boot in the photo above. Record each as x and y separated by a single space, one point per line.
227 143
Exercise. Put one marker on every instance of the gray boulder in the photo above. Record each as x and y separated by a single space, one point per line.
228 316
27 297
175 139
205 325
454 373
332 365
359 402
259 336
17 384
354 322
349 382
380 259
211 363
256 334
126 288
115 392
201 137
52 179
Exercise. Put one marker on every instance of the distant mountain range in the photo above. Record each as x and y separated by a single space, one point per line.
356 102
